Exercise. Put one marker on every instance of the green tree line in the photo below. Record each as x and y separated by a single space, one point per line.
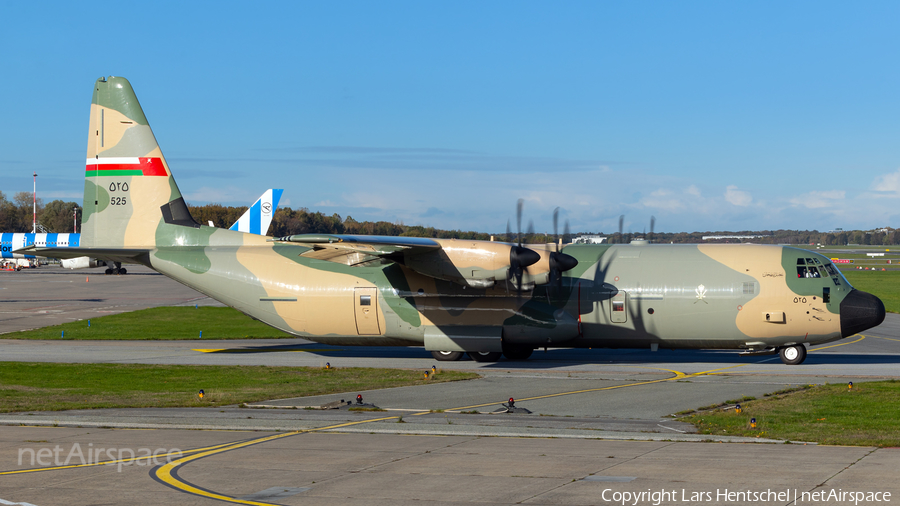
56 216
17 215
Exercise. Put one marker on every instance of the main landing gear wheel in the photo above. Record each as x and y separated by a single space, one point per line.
793 355
485 356
447 356
513 352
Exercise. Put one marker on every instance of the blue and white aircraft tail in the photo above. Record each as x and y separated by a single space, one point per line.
258 218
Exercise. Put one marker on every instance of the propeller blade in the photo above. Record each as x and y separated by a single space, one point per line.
652 225
556 228
508 232
621 225
566 233
519 205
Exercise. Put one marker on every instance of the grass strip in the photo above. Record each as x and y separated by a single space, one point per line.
883 284
159 323
866 415
38 386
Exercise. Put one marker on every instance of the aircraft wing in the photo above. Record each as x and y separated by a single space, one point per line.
110 254
358 249
372 244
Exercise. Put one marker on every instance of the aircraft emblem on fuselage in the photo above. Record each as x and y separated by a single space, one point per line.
701 294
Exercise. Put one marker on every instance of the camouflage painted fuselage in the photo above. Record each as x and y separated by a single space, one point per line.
679 296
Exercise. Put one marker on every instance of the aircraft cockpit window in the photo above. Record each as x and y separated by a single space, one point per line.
812 261
808 272
831 270
836 281
800 261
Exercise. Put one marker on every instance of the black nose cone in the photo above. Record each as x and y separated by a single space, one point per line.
860 311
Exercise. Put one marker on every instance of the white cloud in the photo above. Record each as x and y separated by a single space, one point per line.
888 183
817 199
668 200
737 197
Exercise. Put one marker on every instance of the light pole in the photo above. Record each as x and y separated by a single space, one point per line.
34 205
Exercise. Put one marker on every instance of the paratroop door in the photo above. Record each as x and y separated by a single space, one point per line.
366 304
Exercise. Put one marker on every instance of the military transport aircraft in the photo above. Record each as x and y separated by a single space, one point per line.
456 296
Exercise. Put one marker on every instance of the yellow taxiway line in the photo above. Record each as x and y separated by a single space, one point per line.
861 337
168 475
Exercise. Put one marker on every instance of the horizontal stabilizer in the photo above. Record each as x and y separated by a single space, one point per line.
111 254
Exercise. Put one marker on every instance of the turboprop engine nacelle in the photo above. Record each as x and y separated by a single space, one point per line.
81 263
478 264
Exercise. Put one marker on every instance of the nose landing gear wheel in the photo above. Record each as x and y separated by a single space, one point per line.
447 356
485 356
793 355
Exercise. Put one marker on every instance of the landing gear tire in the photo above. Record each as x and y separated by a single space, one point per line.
447 356
123 271
108 271
485 356
513 352
793 355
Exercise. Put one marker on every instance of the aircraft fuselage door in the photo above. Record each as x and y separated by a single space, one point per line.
366 308
618 307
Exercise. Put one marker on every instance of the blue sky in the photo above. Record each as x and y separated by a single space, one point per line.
707 115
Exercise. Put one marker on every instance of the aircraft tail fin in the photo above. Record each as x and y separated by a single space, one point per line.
257 219
129 192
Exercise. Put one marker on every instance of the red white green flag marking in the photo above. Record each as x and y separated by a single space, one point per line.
124 166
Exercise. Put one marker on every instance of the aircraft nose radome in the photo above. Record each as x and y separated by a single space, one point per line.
860 311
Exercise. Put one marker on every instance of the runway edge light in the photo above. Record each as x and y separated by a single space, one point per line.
737 408
201 394
850 386
753 423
